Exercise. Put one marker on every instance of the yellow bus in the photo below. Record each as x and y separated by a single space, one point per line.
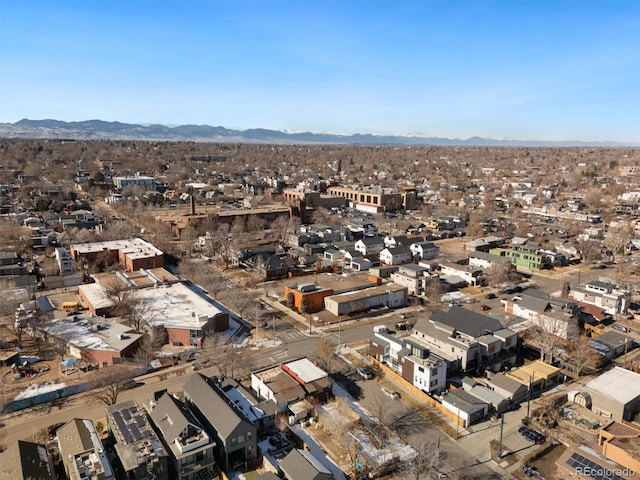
70 306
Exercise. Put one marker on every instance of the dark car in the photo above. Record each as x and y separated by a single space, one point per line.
490 296
53 429
484 308
403 325
532 435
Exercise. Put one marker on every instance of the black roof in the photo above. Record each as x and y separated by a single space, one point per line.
467 321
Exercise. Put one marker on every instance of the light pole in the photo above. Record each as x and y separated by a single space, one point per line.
501 432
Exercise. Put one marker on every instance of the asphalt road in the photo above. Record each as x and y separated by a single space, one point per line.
469 455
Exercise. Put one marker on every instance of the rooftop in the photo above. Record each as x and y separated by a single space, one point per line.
133 246
305 370
92 333
618 384
176 306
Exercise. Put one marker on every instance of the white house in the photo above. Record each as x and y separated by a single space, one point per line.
369 245
396 256
607 296
414 277
471 275
425 250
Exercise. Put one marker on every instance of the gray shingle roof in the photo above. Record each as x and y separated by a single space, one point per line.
222 416
172 417
467 321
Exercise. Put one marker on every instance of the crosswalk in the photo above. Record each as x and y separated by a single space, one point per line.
279 355
291 334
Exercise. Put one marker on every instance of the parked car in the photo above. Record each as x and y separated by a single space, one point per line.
532 435
364 373
53 429
403 325
391 393
490 296
484 308
621 328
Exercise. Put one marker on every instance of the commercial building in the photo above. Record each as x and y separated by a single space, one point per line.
92 339
371 199
186 312
306 297
139 180
389 295
132 254
615 394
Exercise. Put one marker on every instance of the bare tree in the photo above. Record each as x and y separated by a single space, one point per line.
138 309
325 354
502 275
109 383
619 237
379 404
582 356
227 357
549 331
427 462
120 294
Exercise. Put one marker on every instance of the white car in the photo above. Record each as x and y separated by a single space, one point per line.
390 393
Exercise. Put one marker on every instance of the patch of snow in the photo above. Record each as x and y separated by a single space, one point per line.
39 388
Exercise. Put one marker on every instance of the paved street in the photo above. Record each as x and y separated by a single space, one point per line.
470 454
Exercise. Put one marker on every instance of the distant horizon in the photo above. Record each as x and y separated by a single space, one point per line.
463 140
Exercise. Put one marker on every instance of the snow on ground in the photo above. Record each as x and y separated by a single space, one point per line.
392 446
38 388
266 343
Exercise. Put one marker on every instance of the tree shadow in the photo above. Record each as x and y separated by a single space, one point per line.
348 384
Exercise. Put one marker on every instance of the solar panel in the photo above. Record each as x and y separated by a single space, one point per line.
125 414
124 430
135 431
140 420
591 468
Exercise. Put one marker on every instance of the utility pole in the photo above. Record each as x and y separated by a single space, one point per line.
501 432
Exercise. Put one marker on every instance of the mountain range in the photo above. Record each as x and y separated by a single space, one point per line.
102 130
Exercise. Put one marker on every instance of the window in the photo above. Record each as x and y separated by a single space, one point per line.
434 371
421 369
434 383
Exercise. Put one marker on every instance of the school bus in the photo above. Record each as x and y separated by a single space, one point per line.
70 306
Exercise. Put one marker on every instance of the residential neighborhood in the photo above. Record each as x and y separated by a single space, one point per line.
217 318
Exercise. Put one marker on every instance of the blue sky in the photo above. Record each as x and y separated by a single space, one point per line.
544 70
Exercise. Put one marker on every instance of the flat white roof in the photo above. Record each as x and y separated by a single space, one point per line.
175 306
618 384
80 333
305 370
94 293
129 245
